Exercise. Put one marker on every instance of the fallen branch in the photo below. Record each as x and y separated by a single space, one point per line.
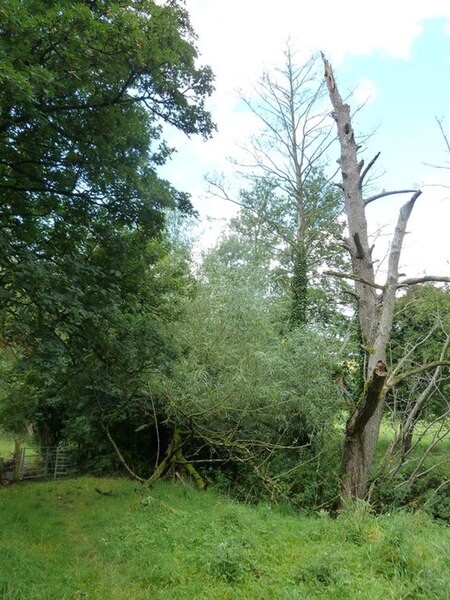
120 457
102 493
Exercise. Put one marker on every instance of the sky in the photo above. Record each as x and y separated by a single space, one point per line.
393 56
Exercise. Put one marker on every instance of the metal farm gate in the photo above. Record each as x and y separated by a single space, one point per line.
50 461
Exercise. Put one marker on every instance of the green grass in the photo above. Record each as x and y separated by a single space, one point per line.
440 450
6 444
64 541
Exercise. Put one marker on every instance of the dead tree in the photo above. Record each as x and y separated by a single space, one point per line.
375 302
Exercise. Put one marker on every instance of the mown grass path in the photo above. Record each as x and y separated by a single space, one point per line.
65 541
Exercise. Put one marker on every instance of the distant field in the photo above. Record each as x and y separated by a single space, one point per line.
65 541
442 446
6 444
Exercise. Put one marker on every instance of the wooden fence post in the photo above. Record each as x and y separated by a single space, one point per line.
17 459
55 471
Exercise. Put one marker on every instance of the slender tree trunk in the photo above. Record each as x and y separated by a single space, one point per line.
300 271
407 441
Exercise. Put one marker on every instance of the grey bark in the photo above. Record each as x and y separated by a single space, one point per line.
375 310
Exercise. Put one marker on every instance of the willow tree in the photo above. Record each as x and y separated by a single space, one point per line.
375 302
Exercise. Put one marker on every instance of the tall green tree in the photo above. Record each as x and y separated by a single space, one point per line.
289 191
267 224
85 89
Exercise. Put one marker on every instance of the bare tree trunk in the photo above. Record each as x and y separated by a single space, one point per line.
361 436
375 311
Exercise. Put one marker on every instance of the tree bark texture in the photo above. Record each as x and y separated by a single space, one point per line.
358 241
375 311
359 446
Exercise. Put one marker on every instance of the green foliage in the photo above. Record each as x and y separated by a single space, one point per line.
64 540
299 288
422 324
106 372
265 232
429 492
258 398
6 444
413 485
89 283
85 88
414 470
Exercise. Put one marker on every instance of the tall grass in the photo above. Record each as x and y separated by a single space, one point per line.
66 541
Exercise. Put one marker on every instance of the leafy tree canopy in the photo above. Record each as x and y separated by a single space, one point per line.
85 89
84 86
264 233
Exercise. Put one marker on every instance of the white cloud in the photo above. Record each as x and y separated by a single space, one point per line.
241 38
237 36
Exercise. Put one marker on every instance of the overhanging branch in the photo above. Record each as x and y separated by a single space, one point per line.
417 371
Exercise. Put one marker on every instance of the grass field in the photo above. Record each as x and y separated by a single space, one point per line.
65 541
424 440
6 444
